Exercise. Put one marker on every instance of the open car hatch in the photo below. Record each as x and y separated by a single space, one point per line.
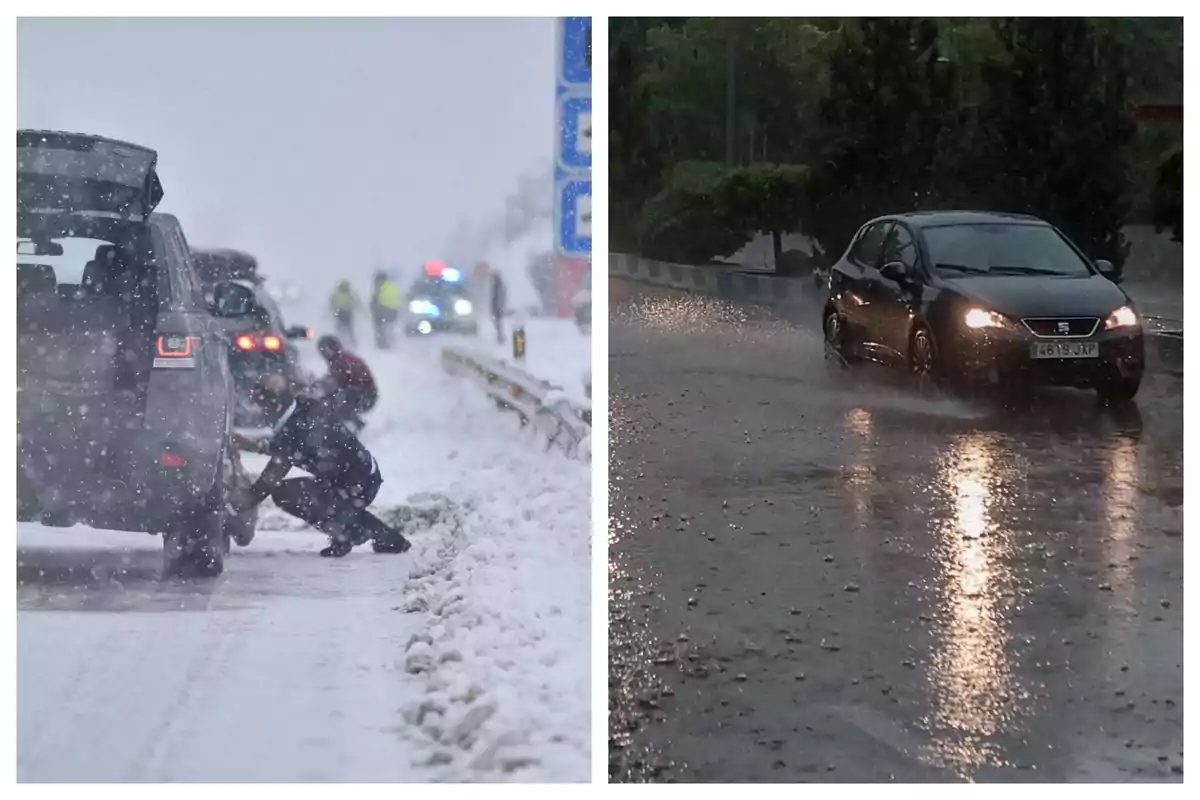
75 173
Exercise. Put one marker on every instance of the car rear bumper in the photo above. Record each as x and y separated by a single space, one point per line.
1004 356
135 481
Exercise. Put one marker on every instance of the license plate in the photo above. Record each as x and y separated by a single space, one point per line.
1042 350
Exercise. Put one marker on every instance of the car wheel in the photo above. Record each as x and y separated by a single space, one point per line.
923 359
195 544
241 528
836 345
1118 391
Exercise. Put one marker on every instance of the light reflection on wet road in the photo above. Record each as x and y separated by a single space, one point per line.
821 576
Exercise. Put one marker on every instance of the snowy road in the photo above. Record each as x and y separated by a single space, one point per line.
465 659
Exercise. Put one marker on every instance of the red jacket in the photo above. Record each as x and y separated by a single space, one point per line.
351 372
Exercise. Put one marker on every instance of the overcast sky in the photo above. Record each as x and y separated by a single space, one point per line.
320 145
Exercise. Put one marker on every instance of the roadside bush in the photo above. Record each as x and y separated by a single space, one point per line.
684 224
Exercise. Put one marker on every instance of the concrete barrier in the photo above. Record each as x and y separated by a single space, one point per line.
796 296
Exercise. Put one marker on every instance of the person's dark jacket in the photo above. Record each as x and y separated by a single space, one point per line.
308 437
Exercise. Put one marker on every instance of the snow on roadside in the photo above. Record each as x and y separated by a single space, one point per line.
500 596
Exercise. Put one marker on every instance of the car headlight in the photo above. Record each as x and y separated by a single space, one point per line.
977 318
462 307
1123 317
423 307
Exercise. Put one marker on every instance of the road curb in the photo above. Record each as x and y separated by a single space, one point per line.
1164 337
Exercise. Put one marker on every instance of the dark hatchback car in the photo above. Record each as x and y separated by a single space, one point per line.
260 343
978 297
124 394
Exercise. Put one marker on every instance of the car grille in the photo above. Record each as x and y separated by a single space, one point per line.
1062 327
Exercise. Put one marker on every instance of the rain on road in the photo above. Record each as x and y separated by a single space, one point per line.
821 576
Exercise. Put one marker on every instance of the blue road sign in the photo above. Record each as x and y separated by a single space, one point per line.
574 132
574 212
575 51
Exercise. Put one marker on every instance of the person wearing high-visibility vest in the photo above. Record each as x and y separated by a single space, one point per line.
385 309
343 304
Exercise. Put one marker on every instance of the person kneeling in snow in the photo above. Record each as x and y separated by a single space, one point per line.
345 477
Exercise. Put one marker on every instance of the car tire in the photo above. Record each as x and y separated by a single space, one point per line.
195 544
923 358
197 539
837 348
1118 391
240 528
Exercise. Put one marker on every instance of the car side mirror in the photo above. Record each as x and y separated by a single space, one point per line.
895 271
1107 269
231 300
298 332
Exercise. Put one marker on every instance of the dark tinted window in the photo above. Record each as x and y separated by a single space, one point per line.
1005 249
900 247
869 245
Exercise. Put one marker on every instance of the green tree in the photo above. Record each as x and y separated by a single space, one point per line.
778 67
1168 195
685 223
1055 124
764 198
636 161
886 127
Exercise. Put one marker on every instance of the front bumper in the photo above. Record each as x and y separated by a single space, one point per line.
423 326
1003 355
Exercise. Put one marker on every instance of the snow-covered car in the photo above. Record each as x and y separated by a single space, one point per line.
124 394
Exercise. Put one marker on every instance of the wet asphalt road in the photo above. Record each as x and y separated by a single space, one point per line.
823 576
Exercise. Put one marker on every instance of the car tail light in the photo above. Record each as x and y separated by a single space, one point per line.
259 341
172 345
172 460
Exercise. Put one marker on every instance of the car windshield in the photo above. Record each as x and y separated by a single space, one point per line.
1002 249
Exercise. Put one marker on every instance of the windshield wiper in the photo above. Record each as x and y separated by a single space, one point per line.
1010 270
960 268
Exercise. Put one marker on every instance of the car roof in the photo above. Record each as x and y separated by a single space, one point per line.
934 219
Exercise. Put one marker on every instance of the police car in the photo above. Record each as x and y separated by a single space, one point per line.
439 301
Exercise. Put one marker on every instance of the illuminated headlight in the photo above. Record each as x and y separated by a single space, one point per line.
423 307
1123 317
462 307
424 327
977 318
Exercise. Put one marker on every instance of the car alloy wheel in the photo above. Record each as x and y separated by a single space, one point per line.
834 336
923 361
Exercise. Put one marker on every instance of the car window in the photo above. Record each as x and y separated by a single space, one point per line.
866 250
900 247
1002 249
189 290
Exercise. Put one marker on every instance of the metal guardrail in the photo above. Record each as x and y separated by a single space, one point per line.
1164 337
564 422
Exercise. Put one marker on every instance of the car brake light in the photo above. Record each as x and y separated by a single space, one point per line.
272 343
173 460
245 342
172 345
